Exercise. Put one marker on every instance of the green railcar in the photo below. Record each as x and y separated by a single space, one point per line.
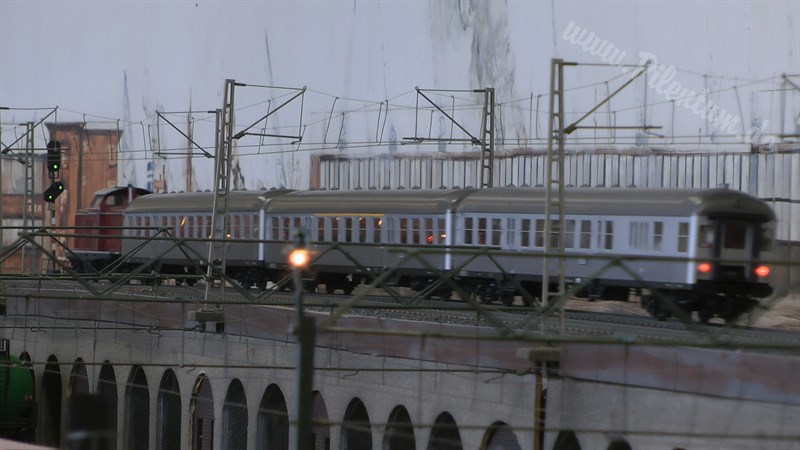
17 400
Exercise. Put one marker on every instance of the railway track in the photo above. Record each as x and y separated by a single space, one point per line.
586 323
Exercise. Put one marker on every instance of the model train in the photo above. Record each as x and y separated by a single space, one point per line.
681 250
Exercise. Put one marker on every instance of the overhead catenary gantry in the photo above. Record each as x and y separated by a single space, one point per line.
554 254
486 139
226 162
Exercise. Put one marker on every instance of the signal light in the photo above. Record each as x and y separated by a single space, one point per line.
299 256
53 192
53 156
704 267
762 271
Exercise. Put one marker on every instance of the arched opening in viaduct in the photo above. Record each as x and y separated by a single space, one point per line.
320 430
619 444
201 415
168 412
273 421
399 434
567 440
107 391
51 403
499 436
445 434
78 380
356 429
136 424
234 417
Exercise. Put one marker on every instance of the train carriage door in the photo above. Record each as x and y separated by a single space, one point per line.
736 242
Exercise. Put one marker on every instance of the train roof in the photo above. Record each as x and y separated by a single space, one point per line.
111 190
202 201
359 202
502 200
622 201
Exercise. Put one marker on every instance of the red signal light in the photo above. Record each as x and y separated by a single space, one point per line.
704 267
762 271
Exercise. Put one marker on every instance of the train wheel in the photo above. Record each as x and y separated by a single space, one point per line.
705 315
507 299
488 299
654 307
309 287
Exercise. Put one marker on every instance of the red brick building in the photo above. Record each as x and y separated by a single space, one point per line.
88 164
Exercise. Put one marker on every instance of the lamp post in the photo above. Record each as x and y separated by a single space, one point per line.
304 332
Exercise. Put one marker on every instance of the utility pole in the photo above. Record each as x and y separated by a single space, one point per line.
487 139
305 332
28 210
217 247
554 181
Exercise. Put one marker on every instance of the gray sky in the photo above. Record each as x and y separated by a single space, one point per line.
353 55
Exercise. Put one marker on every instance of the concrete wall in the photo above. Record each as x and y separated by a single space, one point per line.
476 395
654 397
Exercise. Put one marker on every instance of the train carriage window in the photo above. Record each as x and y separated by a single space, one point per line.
586 234
417 233
376 229
609 235
191 227
496 231
348 229
539 234
147 226
683 237
276 229
468 227
286 228
236 226
482 229
706 236
441 232
569 234
297 226
403 230
247 227
555 224
321 229
390 230
362 229
639 236
658 235
430 232
735 235
525 233
334 229
511 232
114 200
